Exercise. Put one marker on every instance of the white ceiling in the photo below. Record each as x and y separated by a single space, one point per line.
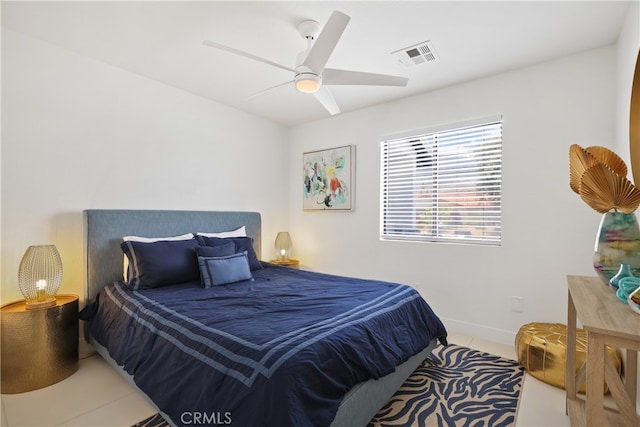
163 41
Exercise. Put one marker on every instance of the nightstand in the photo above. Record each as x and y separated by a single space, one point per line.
38 347
292 263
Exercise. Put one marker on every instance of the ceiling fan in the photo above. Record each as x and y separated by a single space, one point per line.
310 74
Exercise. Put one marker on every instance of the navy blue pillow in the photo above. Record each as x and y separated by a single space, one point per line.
217 271
242 244
156 264
229 248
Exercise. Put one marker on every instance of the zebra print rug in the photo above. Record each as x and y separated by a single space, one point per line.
153 421
454 386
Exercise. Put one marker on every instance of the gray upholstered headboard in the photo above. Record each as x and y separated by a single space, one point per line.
104 229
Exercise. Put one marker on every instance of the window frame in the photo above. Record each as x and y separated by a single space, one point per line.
494 235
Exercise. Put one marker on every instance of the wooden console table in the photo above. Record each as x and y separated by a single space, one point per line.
607 321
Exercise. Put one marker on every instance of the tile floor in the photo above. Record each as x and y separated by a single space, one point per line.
97 396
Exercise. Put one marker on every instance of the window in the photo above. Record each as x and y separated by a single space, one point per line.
444 185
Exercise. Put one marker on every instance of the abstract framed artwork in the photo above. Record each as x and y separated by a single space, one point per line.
328 179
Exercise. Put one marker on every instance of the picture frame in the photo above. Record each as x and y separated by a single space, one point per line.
328 179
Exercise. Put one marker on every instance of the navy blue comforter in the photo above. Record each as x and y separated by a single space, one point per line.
279 351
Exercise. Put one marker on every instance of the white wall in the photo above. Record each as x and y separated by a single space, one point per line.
80 134
548 232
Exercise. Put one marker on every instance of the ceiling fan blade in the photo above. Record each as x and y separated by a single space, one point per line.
270 88
245 54
326 99
325 43
331 76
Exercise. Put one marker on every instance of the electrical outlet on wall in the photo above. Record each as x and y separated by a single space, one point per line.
517 304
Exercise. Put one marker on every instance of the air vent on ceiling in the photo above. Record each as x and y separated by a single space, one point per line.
417 54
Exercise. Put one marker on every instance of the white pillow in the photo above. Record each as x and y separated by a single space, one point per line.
187 236
238 232
125 262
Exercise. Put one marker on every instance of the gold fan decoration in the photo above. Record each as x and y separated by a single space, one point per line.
598 175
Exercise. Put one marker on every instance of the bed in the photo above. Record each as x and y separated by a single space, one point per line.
284 347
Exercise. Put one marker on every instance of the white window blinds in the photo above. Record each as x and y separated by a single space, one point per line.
444 186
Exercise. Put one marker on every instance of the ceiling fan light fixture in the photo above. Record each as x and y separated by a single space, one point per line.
307 82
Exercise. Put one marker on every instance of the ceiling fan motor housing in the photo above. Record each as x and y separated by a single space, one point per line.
309 29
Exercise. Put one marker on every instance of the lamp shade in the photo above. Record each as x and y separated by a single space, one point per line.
283 245
40 275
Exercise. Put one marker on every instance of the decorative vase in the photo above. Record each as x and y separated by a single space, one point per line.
617 242
628 285
634 300
624 271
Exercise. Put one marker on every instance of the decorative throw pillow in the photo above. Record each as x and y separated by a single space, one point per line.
215 251
217 271
155 264
242 244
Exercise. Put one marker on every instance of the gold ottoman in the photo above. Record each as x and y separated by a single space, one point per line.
542 350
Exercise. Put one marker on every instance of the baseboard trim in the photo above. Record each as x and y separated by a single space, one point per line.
480 331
